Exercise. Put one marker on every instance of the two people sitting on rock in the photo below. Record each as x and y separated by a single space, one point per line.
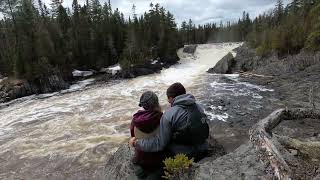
182 129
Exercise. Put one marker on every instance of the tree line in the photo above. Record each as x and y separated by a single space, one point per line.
287 29
37 41
283 30
212 33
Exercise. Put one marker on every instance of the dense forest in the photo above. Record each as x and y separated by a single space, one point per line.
284 29
212 33
36 40
287 29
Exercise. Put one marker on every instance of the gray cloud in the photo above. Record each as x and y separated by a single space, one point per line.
200 11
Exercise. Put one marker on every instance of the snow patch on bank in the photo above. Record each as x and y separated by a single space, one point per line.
154 61
77 73
114 69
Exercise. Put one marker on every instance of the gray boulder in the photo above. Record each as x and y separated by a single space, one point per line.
190 49
12 88
119 165
243 163
224 66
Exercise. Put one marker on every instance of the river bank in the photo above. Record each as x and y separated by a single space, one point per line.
295 81
72 135
12 88
274 83
77 135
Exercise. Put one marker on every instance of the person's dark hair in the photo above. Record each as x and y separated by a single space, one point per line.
175 90
149 101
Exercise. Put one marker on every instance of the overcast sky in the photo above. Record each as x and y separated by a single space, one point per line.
200 11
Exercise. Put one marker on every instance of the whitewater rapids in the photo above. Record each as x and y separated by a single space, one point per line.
67 135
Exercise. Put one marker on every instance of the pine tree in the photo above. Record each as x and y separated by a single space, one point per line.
279 11
55 5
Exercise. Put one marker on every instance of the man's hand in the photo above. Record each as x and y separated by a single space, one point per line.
132 142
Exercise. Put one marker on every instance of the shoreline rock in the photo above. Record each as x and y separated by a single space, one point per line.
11 89
119 166
295 81
224 66
190 49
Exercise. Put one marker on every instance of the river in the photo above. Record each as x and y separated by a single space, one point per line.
70 136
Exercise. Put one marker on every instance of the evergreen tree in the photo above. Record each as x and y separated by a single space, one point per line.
55 5
279 11
34 44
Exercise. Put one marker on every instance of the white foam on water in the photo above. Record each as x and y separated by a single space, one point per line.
257 87
239 89
79 85
98 115
220 117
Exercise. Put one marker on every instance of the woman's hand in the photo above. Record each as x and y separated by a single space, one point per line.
132 142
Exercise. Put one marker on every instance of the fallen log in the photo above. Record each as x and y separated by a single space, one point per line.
261 137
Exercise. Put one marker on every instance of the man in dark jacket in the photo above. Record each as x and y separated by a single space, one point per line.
183 127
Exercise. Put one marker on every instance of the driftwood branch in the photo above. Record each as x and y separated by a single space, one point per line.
261 136
310 148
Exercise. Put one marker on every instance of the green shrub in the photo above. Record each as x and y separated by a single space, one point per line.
177 167
125 64
313 41
262 50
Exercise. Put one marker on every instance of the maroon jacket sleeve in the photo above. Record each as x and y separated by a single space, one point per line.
132 129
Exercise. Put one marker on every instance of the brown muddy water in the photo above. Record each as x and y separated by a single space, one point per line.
70 136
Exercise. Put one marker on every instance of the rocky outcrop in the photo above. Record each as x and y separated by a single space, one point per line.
295 81
293 76
140 70
224 66
243 163
119 165
248 60
148 68
13 88
190 49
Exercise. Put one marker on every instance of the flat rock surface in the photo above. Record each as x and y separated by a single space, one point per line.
243 163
